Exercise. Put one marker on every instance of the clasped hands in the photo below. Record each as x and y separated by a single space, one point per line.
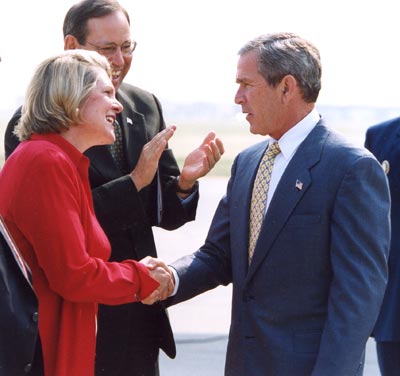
163 275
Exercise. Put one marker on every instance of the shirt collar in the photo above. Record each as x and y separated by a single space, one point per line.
292 139
73 153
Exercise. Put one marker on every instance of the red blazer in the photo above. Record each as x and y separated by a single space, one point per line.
46 202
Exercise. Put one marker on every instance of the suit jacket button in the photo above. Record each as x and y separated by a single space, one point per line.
35 317
28 368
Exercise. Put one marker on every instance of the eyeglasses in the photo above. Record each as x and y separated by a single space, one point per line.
126 48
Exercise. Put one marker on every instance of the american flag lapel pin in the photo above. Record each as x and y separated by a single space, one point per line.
299 185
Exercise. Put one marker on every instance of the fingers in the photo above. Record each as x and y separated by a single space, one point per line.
201 160
220 146
146 168
210 136
163 275
153 149
214 143
152 298
158 143
213 152
151 263
164 278
217 149
169 131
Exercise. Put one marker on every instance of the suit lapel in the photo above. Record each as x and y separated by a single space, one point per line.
133 128
241 197
102 164
291 188
135 136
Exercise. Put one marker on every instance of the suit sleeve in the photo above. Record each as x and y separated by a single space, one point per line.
208 267
360 237
118 205
175 212
211 265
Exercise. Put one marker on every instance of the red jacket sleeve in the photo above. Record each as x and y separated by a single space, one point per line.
54 213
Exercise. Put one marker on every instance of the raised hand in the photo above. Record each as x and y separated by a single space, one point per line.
201 160
162 274
146 168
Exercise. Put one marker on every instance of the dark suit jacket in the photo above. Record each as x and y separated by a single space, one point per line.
18 310
127 217
383 141
310 297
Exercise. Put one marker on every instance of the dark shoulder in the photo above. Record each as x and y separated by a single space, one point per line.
332 150
135 93
344 148
387 126
141 101
10 139
16 116
383 135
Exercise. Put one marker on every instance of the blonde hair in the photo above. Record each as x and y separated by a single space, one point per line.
60 85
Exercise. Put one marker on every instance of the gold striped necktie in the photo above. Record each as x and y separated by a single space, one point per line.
259 195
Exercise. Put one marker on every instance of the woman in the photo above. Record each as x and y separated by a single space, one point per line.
46 202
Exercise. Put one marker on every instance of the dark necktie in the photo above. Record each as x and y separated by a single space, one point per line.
259 195
117 149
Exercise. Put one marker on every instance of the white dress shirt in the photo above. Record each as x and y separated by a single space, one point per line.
288 144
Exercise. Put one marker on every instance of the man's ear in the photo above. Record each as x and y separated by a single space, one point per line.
288 83
71 43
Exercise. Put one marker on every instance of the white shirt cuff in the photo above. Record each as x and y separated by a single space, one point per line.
176 278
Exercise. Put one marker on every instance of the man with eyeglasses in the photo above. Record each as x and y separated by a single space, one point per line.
133 190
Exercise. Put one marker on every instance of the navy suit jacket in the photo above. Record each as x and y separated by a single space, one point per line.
384 142
18 310
307 303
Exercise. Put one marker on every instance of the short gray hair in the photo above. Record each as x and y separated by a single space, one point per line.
60 85
281 54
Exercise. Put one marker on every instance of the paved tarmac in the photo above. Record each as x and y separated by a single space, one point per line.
201 325
204 355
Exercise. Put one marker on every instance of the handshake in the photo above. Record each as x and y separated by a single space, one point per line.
163 275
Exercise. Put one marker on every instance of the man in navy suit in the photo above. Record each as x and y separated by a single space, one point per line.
383 141
306 302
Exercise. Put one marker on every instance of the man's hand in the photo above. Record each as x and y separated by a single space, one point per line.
162 274
146 168
200 161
